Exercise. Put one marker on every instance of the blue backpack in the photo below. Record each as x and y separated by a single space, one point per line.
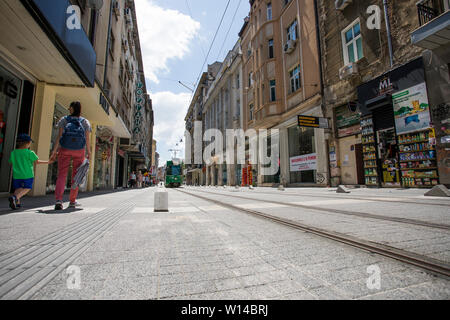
73 137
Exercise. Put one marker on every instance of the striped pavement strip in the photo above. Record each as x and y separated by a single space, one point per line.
27 269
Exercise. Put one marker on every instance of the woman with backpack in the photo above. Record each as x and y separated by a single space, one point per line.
71 143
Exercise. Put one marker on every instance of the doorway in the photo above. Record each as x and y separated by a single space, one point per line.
388 154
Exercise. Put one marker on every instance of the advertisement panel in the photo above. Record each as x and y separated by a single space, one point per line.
411 109
303 163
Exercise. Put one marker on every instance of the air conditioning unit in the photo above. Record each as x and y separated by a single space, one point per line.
289 46
349 70
342 4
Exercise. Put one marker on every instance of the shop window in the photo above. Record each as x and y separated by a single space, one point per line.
10 88
301 142
352 43
52 172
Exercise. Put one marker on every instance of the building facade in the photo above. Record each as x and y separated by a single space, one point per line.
384 94
46 62
281 79
222 111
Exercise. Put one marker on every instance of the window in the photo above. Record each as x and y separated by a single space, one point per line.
292 31
286 2
271 49
250 79
301 141
238 84
273 96
251 110
352 43
269 11
294 76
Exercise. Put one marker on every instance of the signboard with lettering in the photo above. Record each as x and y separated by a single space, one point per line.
305 162
313 122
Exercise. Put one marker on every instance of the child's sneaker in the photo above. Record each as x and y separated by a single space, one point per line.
12 202
58 205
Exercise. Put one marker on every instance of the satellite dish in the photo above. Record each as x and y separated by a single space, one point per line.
94 4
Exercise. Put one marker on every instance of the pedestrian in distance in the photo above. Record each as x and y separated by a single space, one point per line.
140 178
71 145
22 160
132 179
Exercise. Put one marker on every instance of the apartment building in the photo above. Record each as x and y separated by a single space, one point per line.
56 52
281 80
222 111
386 89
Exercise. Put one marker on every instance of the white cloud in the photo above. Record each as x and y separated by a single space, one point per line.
164 34
170 109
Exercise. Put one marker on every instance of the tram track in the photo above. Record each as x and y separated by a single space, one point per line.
344 212
384 199
430 264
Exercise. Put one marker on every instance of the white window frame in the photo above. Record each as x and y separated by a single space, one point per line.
292 78
293 36
355 47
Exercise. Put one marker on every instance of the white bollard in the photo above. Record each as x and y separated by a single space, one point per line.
161 203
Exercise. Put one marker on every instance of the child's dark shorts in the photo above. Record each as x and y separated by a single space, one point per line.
23 183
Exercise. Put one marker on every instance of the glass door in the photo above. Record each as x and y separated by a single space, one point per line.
388 155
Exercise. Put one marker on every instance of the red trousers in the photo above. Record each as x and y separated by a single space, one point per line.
64 157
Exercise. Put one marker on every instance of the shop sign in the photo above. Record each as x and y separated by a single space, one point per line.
305 162
411 109
385 86
312 122
345 117
349 130
121 153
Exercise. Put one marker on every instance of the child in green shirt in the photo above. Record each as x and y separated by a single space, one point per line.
22 160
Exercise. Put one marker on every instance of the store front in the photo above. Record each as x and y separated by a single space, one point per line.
397 135
16 101
302 155
52 173
103 159
348 130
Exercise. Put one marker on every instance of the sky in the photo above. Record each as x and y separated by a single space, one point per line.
175 38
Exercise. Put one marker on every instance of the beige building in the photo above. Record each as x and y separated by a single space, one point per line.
281 80
48 64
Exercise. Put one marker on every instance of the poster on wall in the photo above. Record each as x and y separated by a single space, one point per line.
411 109
305 162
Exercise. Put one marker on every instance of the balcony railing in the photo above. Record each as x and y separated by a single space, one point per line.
428 10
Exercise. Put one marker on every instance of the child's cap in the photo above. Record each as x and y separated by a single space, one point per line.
23 137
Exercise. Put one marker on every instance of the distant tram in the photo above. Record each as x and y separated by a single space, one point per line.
173 174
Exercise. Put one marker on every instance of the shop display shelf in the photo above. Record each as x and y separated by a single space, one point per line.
418 160
416 151
429 168
369 167
372 175
414 142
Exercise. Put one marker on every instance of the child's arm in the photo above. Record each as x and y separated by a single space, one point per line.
44 162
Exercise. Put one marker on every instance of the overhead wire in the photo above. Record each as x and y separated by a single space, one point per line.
229 29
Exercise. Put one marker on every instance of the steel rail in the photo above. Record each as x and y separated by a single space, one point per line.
421 261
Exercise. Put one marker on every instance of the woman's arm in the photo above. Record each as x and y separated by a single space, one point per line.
88 144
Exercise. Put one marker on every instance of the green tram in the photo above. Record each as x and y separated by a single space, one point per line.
173 175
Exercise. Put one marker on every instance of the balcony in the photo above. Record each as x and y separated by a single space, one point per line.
434 20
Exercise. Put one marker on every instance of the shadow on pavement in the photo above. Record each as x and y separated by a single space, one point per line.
59 211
